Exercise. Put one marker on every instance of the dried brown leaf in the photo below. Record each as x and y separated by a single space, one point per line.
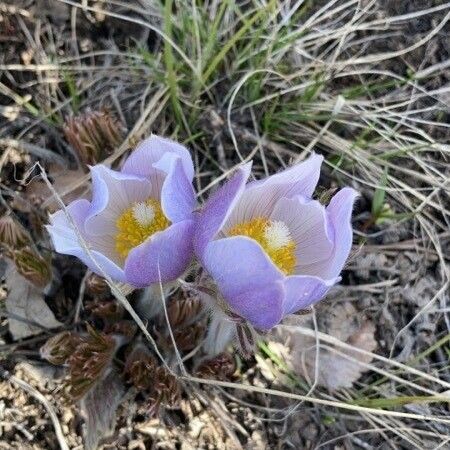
335 370
61 178
29 313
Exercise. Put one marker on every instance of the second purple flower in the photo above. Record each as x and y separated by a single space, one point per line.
269 247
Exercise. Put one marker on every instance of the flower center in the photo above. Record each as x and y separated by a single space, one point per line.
274 237
137 223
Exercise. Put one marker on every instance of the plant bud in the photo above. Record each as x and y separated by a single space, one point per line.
221 367
89 361
188 338
125 328
33 266
108 310
184 311
94 135
140 368
165 390
96 286
12 235
60 347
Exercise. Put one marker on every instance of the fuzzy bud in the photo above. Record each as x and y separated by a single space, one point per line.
60 347
140 368
33 266
184 311
125 328
165 390
156 382
110 311
188 338
96 286
90 360
94 135
12 235
221 367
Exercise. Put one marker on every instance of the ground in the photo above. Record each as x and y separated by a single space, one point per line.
364 83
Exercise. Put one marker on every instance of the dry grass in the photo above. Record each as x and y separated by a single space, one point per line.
365 83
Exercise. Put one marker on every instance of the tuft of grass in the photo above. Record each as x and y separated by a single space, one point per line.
73 91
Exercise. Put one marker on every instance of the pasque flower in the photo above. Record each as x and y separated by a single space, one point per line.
139 224
269 247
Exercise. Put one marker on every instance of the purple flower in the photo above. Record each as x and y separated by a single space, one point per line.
269 247
139 224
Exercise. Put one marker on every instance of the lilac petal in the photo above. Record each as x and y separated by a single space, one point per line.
177 193
112 193
339 214
262 306
218 207
66 241
300 179
246 277
141 160
260 197
303 291
307 223
78 210
239 263
161 258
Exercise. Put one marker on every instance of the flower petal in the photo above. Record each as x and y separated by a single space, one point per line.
218 207
66 241
246 277
260 197
303 291
78 210
307 223
177 193
300 179
161 258
112 193
339 214
262 306
141 160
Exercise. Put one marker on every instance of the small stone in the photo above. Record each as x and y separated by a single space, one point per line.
196 426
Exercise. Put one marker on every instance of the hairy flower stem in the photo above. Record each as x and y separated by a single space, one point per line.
149 303
221 332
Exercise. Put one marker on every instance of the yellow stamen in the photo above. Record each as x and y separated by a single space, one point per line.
137 223
274 237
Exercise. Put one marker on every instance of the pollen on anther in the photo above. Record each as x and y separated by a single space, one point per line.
144 213
137 223
275 239
277 234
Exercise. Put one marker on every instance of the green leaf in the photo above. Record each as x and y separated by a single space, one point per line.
169 61
379 196
227 46
400 401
